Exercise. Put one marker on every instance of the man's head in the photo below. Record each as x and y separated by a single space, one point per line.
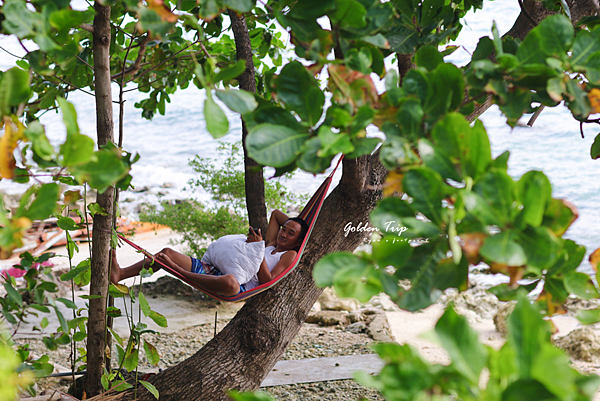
292 233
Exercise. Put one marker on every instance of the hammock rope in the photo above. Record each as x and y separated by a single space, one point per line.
309 214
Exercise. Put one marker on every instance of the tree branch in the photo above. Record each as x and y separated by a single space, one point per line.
138 61
87 27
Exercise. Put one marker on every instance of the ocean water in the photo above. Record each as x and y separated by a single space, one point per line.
166 143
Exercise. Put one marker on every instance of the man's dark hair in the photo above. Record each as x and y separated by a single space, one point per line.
303 229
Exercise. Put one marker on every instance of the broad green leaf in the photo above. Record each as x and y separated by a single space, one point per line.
68 18
527 332
429 57
410 118
586 43
299 91
241 6
151 353
468 356
229 73
309 161
68 303
534 192
556 34
131 359
552 368
348 13
44 204
357 280
18 20
591 316
150 387
63 322
595 150
541 246
569 259
332 143
13 293
216 120
360 60
41 145
325 268
526 389
149 20
447 90
388 214
448 274
67 224
14 86
118 290
155 316
274 145
239 101
105 169
78 148
391 250
402 39
250 396
502 248
425 186
497 190
581 285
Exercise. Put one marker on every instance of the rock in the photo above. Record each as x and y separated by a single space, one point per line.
358 327
383 302
329 300
316 307
379 329
474 304
354 317
327 318
501 317
141 189
582 344
168 185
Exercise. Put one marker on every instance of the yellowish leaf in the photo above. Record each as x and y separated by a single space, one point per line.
162 10
594 97
595 259
393 183
8 143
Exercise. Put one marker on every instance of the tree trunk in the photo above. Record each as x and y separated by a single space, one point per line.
242 355
254 179
522 26
102 224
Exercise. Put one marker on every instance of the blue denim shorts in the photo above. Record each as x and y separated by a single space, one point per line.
199 267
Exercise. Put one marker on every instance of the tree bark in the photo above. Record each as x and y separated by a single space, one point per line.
102 224
254 179
522 26
242 355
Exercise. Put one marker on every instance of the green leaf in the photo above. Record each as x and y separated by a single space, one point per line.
118 290
150 387
586 43
357 280
309 161
527 389
391 250
595 150
425 186
67 18
78 148
14 86
348 13
155 316
591 316
325 268
13 293
410 118
216 120
68 303
151 353
43 205
63 322
241 6
300 92
541 247
552 368
239 101
447 90
429 57
18 20
229 73
105 169
389 213
534 192
41 145
502 248
68 224
274 145
332 144
496 189
527 332
467 354
581 285
151 21
556 34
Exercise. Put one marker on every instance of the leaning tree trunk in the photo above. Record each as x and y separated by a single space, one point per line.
254 180
102 224
245 351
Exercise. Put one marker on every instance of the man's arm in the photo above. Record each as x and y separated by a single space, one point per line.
264 275
275 222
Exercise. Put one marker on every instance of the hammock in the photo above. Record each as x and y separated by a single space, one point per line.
309 214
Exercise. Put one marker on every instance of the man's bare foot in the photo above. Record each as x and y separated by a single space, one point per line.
115 269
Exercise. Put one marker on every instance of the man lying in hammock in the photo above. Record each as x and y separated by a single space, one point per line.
233 263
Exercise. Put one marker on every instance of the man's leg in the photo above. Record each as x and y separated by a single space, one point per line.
117 273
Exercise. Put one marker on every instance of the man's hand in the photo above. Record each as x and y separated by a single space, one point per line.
163 258
253 236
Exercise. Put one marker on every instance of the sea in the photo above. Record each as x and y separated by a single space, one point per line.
166 143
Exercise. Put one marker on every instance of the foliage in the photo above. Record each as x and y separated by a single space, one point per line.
198 223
